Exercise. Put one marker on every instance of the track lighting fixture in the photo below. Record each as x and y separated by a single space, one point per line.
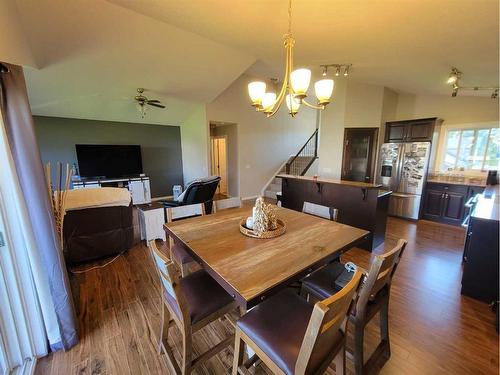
454 80
338 69
454 75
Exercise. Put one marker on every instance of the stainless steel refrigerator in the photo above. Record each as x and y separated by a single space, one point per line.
402 168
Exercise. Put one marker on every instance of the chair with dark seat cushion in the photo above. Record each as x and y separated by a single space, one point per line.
177 253
373 298
321 284
191 303
198 191
292 337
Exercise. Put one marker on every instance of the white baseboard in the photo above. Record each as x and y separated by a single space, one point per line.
249 198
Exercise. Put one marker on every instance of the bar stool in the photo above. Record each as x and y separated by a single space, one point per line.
292 337
177 253
373 297
191 302
318 210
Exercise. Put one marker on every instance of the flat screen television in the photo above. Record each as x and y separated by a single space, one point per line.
109 160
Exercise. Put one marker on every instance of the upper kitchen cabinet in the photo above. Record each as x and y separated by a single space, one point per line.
421 130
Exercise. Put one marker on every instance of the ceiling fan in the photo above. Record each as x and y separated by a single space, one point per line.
142 101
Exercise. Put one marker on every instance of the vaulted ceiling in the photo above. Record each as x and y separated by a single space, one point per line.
91 55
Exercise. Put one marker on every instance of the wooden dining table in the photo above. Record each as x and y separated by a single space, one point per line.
253 269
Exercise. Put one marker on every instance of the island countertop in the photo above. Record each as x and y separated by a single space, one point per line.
324 180
487 206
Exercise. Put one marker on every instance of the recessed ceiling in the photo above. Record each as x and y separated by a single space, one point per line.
91 55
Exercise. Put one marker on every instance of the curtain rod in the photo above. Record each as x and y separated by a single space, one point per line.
3 68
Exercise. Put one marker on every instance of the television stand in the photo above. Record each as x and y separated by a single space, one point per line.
139 187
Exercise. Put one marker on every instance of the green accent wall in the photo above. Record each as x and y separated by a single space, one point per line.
160 145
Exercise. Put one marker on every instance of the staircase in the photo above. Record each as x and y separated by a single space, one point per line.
296 165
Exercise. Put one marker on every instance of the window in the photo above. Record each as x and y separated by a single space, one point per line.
472 149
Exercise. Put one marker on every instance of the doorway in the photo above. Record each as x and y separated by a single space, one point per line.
358 159
219 161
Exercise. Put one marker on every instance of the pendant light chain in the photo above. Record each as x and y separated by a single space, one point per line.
289 17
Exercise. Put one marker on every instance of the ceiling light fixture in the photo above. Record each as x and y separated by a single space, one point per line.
295 84
454 80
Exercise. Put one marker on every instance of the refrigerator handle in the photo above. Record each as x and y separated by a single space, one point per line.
399 168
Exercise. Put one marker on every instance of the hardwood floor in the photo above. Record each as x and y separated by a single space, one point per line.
433 329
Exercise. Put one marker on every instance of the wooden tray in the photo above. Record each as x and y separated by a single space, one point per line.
268 234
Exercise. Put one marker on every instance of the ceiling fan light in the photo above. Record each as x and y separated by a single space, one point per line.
292 104
268 101
300 80
324 89
256 91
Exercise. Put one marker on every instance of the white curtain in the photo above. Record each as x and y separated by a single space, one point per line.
27 315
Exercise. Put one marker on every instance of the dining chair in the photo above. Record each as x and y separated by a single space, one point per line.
325 212
191 302
292 337
373 297
177 253
222 204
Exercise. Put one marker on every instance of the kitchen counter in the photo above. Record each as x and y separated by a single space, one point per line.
383 193
487 204
463 183
362 185
359 204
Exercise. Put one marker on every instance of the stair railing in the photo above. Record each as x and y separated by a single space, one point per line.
302 161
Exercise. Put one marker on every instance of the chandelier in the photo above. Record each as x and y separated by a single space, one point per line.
295 84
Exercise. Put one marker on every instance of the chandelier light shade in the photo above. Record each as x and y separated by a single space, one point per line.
300 80
256 90
324 90
294 87
292 104
268 100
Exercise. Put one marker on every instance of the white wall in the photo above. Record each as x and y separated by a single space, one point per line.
194 142
14 46
458 110
264 143
354 105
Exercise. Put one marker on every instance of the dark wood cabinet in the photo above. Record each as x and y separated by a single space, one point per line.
421 130
395 132
445 203
480 273
433 204
453 207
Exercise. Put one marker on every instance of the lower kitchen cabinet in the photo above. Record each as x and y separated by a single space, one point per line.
445 203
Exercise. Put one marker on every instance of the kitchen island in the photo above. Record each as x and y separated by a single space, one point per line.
481 253
360 204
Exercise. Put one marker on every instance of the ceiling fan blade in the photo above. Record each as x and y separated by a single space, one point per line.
153 101
156 105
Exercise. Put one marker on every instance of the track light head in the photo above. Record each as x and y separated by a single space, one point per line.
494 94
337 71
346 71
454 76
325 70
454 92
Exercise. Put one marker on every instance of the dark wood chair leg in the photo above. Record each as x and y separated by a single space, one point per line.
384 328
359 333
